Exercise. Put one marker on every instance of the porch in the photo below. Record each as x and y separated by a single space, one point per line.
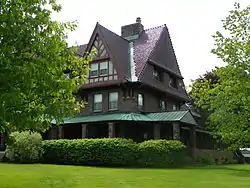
177 125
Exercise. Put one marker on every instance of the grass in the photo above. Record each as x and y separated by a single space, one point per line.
43 176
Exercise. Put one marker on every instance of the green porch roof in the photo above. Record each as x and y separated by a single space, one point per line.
180 116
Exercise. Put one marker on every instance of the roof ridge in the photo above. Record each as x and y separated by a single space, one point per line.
112 32
156 27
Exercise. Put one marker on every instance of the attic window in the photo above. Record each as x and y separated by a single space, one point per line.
173 82
157 74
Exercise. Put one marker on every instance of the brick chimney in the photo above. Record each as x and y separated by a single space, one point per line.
132 29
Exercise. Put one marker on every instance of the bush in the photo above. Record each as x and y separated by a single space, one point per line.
106 151
24 147
161 153
205 160
113 152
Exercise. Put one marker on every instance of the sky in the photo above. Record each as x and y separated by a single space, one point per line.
191 24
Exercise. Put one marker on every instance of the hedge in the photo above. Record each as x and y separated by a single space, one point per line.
113 152
161 153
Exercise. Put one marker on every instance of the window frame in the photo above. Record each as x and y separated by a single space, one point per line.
157 74
165 105
90 72
138 100
117 100
173 82
107 69
94 109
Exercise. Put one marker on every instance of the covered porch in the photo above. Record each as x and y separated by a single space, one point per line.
177 125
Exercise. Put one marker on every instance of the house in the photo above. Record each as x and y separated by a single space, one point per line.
135 89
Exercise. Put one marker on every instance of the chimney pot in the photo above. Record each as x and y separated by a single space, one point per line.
138 20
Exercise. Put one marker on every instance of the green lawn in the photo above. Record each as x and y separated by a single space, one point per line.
43 176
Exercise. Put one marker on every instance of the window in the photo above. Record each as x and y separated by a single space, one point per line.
103 68
173 82
140 100
176 107
98 102
110 68
94 70
163 105
157 74
113 101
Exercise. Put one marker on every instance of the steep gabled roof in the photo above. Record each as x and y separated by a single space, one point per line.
164 54
116 46
155 45
144 46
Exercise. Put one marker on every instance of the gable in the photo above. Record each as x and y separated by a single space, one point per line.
164 55
99 47
144 46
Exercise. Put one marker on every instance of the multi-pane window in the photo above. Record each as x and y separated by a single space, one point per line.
163 105
140 100
113 100
103 68
94 70
98 102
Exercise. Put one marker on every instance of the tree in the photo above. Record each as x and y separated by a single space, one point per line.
210 78
228 101
34 56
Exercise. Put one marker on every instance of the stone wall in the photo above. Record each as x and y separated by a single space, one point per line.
215 154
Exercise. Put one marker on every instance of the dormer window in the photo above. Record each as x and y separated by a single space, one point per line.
102 71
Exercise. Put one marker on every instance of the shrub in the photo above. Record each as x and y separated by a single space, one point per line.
161 153
24 147
106 151
205 160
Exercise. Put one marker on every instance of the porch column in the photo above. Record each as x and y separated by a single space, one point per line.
176 130
84 130
111 130
60 132
157 131
193 140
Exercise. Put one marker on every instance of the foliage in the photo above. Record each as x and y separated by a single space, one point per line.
108 152
33 59
113 152
205 160
228 101
161 153
24 147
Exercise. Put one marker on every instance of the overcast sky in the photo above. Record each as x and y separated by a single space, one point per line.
190 22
